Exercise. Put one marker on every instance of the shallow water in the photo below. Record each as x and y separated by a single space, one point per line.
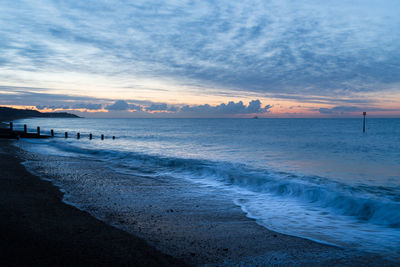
322 179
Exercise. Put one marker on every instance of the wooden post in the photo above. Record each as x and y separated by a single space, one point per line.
52 133
90 136
38 130
364 114
113 137
11 126
25 129
78 136
102 137
66 134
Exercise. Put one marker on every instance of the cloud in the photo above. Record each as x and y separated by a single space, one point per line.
157 107
88 106
255 107
230 108
162 107
118 105
300 47
135 107
340 110
121 105
41 107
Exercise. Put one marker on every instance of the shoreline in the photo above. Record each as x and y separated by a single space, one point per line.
197 236
37 228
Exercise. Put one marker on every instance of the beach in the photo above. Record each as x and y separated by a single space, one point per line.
37 228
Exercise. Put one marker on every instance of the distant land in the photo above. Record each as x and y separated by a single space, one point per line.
9 114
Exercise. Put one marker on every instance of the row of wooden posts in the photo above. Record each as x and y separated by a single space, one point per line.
78 135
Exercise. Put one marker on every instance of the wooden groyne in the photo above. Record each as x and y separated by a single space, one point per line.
11 133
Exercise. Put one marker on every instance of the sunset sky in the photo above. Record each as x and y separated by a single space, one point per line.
225 58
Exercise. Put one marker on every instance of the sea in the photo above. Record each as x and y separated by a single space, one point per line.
319 179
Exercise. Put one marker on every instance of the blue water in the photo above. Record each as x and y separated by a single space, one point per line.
321 179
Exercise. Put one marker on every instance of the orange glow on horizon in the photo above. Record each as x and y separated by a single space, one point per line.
282 109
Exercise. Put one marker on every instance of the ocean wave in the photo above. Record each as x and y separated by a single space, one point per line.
376 205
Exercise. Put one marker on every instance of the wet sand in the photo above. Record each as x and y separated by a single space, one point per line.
201 228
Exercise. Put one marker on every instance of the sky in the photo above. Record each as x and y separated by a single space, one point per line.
271 58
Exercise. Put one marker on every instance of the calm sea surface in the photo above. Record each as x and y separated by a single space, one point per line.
321 179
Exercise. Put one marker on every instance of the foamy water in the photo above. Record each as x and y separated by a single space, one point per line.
320 179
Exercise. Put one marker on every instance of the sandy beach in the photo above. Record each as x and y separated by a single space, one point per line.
38 228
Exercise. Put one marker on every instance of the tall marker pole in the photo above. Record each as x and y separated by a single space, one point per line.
364 114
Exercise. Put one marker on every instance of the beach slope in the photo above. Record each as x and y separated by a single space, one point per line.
38 229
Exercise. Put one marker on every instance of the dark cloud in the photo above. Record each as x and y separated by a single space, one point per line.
255 107
339 110
135 107
118 105
230 108
162 107
89 106
41 107
157 107
173 108
121 105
